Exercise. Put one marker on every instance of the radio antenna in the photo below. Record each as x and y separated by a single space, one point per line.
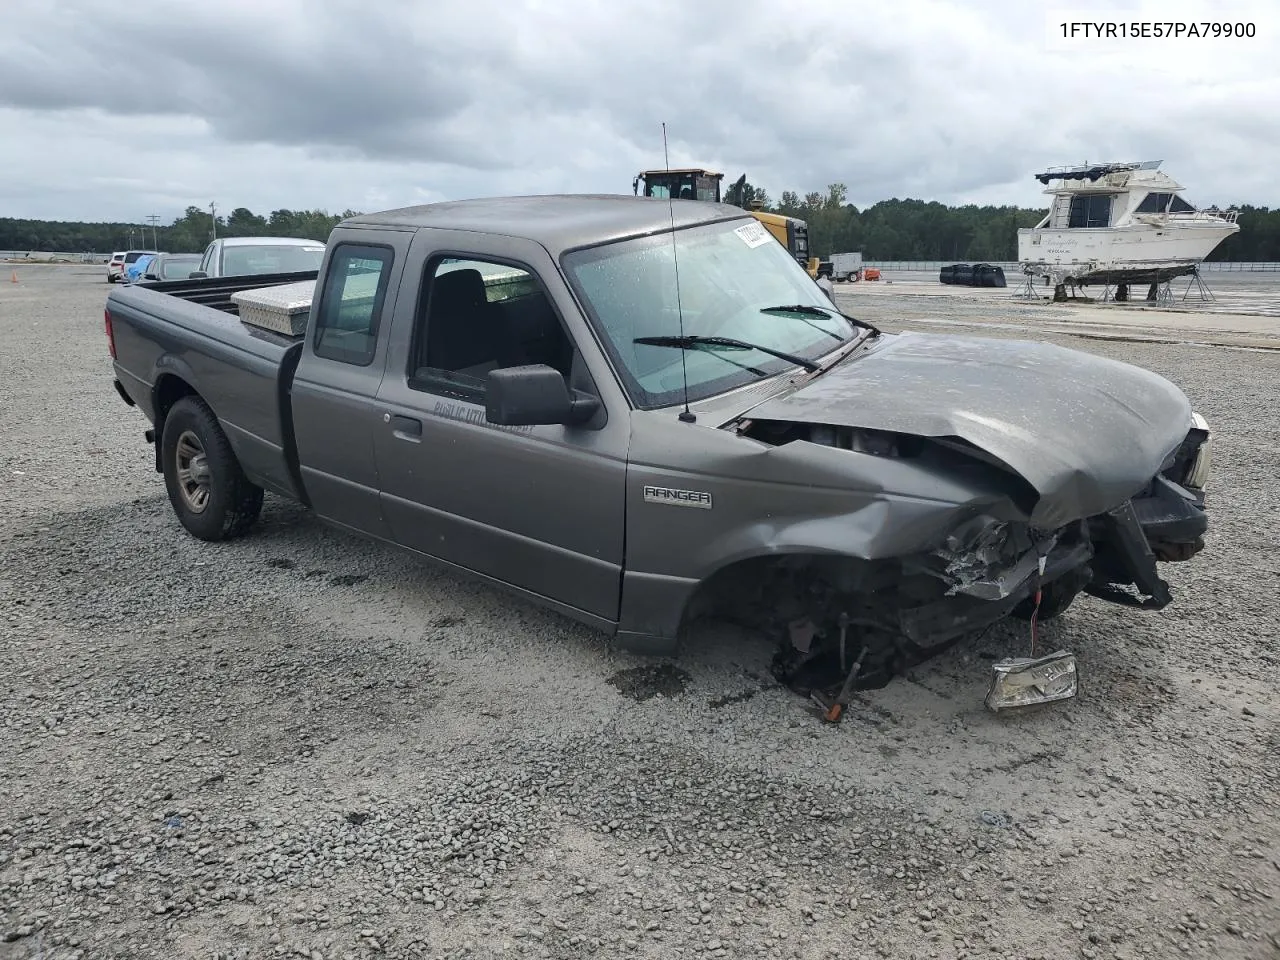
686 415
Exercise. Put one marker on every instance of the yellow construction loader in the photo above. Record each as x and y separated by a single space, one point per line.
704 185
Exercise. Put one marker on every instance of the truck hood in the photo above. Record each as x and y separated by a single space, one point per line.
1086 432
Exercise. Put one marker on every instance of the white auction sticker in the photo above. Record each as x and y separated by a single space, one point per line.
753 234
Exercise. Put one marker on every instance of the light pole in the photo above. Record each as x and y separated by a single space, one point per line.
213 220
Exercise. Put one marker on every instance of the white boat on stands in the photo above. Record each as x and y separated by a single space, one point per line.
1117 224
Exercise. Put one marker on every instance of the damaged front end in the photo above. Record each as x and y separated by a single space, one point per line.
897 612
854 622
1165 521
987 569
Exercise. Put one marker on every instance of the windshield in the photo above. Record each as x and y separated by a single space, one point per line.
253 259
729 272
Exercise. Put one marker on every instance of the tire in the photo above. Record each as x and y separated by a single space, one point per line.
1054 599
110 278
207 489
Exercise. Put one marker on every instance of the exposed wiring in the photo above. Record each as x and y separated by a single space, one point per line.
1035 613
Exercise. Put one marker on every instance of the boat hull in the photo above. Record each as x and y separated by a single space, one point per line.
1129 254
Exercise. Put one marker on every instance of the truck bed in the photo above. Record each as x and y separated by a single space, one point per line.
181 336
216 292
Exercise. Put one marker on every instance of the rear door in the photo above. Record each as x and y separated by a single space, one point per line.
540 508
333 394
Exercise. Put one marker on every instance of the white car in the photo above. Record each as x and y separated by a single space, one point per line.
115 266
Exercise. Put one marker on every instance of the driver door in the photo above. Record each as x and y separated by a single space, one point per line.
540 508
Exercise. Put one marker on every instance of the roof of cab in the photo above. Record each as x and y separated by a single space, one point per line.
558 222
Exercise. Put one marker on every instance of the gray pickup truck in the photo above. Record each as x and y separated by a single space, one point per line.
637 412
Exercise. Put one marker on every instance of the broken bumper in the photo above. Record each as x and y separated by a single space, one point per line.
945 619
1107 556
1171 517
1168 523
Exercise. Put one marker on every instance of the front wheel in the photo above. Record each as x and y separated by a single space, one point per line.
209 492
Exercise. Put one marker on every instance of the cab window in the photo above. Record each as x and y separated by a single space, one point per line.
476 316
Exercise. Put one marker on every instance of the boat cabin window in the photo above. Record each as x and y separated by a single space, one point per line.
1158 202
1090 210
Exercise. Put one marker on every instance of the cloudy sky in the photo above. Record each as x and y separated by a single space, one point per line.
112 111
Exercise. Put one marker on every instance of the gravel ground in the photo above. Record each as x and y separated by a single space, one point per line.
300 744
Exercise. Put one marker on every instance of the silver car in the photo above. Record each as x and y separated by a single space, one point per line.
254 256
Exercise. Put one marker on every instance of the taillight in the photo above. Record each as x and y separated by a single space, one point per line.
111 337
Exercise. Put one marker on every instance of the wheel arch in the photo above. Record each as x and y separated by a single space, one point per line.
843 546
171 383
737 580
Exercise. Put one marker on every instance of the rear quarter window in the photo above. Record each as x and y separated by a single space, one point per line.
355 285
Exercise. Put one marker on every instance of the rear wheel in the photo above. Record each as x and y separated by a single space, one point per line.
209 492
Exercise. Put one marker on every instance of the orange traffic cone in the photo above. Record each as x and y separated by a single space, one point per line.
13 277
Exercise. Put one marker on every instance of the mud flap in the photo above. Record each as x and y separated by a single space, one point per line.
152 437
1125 536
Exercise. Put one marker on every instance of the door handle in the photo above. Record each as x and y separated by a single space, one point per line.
406 428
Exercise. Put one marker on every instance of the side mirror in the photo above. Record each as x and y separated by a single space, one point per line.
532 395
198 275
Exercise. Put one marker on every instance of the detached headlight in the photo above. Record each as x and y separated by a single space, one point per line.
1022 682
1197 474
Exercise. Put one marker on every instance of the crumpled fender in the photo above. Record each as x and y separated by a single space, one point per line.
879 529
801 497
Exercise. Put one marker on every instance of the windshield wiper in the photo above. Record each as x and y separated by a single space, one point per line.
729 343
822 312
809 323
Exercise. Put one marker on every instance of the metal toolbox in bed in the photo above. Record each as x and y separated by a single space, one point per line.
282 309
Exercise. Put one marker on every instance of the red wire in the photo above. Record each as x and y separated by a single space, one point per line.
1034 615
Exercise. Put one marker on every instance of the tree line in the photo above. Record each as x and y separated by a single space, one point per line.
189 233
888 230
928 230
